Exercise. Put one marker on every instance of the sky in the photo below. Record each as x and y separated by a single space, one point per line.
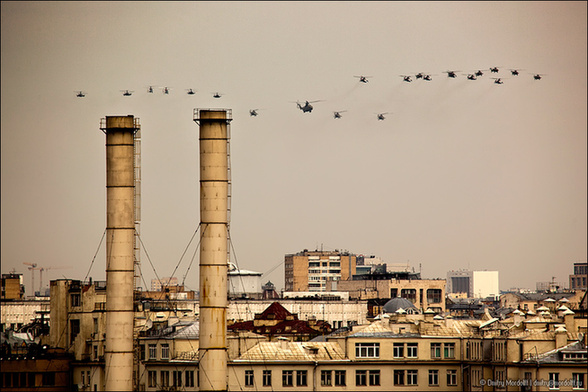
461 174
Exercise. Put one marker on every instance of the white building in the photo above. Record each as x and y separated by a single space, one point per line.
244 283
476 284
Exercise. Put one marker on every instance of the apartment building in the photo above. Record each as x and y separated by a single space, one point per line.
311 270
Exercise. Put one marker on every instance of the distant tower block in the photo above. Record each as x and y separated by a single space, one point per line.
120 231
214 193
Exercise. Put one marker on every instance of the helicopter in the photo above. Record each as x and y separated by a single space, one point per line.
494 69
406 78
537 76
150 89
479 73
338 114
420 75
80 94
451 74
190 91
127 93
307 108
253 112
515 72
472 77
498 81
427 78
217 95
363 79
165 90
381 116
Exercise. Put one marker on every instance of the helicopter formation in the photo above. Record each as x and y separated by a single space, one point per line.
307 107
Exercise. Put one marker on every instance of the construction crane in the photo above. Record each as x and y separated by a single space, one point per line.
32 268
41 275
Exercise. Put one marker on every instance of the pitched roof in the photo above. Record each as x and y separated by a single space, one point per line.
275 312
290 351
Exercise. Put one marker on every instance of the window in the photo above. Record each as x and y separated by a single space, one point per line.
499 377
48 378
74 327
142 352
83 378
433 377
189 378
361 378
177 378
398 350
449 350
301 378
287 378
75 300
578 380
451 377
152 378
164 374
248 378
267 378
367 350
374 377
412 350
398 377
412 377
553 380
340 378
409 294
326 378
88 377
95 352
434 296
165 351
435 350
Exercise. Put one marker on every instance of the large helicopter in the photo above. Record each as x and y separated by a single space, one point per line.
190 91
80 94
427 77
150 89
420 75
381 115
217 95
537 76
363 79
451 74
494 69
307 107
253 112
406 78
338 114
165 90
515 72
498 81
471 76
479 73
127 93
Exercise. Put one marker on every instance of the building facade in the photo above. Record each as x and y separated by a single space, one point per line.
579 277
311 270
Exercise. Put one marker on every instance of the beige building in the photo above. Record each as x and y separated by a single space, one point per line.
311 270
12 287
423 293
399 352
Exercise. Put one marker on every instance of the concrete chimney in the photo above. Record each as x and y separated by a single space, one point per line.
214 193
120 231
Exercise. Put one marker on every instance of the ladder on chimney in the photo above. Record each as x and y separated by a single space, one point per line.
229 191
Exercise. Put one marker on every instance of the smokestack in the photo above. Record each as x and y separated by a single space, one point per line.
214 194
120 231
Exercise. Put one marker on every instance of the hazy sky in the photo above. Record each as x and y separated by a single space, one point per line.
460 174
